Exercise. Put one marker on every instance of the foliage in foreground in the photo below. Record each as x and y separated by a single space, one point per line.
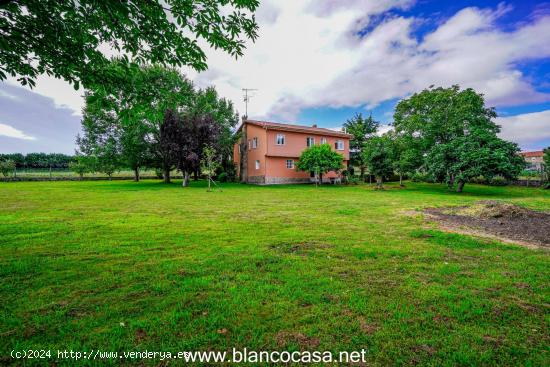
62 38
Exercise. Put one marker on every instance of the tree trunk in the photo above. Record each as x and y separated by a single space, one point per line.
185 182
136 174
166 175
320 178
379 180
196 175
400 179
460 186
209 181
110 176
362 173
451 182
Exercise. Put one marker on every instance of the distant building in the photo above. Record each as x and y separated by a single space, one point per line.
271 151
534 159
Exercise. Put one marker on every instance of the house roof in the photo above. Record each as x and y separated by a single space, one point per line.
538 153
297 128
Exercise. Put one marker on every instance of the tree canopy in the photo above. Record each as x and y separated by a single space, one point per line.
320 159
361 129
65 38
377 154
453 136
156 118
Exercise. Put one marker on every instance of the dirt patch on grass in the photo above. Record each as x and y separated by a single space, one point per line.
504 221
298 248
284 338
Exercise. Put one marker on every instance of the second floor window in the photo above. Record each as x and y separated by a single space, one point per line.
310 141
254 143
339 145
280 139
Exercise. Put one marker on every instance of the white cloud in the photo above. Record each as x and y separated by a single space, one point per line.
529 130
11 132
310 55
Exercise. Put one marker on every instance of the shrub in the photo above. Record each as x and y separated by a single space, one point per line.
422 177
479 180
352 180
6 167
223 177
498 181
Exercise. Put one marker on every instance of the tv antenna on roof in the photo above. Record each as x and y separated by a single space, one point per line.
247 98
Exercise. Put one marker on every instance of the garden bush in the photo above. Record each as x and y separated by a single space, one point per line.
498 181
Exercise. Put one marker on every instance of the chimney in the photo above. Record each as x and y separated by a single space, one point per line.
314 125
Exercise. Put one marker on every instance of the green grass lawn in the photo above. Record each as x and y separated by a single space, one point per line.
134 266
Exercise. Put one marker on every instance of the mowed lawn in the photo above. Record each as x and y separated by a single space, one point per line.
135 266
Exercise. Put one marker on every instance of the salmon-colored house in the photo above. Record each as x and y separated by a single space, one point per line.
267 152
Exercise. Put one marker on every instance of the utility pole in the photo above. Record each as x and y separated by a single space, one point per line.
247 99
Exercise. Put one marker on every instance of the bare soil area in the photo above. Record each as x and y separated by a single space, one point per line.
507 222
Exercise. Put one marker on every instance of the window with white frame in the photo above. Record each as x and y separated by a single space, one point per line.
254 143
339 145
280 139
257 164
310 141
323 140
290 163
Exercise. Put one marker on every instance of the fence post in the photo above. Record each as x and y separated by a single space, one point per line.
50 172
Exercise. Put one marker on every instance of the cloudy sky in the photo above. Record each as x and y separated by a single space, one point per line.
321 61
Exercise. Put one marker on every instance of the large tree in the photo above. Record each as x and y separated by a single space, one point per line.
136 99
184 137
100 140
377 154
65 38
221 111
361 130
404 154
320 159
446 126
475 154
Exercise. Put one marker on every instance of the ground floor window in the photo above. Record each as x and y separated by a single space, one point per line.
290 163
257 164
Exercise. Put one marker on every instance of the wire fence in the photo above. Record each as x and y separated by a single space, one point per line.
46 174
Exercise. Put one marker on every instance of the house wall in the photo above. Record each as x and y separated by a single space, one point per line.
534 162
295 143
273 157
257 153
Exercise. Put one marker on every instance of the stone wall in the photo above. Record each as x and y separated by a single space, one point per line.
285 180
258 180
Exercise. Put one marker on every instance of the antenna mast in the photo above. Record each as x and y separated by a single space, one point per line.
247 98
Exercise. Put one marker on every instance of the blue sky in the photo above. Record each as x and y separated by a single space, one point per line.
322 61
